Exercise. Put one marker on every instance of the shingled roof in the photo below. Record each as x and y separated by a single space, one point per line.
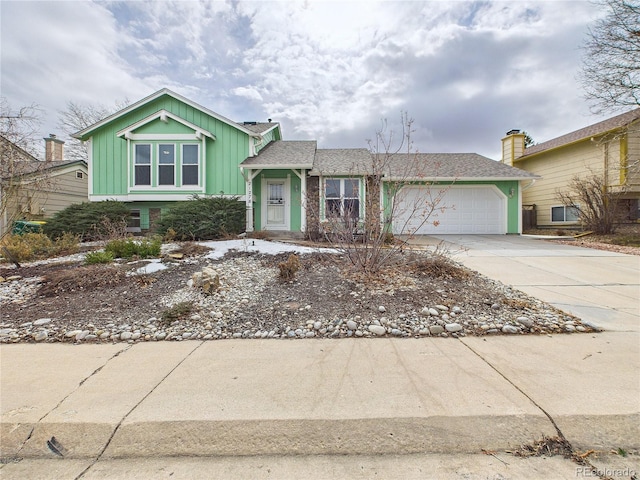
258 127
453 166
419 166
341 161
284 154
594 130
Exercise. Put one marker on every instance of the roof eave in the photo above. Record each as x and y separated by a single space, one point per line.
268 166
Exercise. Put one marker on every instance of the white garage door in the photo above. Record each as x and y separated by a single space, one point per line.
463 210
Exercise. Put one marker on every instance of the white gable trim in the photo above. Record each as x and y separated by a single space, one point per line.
163 115
155 96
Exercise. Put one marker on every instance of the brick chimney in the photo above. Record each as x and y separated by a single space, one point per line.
53 149
512 146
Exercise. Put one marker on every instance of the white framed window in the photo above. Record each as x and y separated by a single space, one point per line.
562 213
166 164
190 164
142 167
79 174
342 198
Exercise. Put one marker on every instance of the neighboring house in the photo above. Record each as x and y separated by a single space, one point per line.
166 148
610 148
33 189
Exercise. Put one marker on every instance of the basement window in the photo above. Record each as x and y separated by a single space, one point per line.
133 222
563 213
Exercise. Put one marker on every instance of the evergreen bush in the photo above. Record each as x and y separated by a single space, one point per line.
204 218
129 248
88 219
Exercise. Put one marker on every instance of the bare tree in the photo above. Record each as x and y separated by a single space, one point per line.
611 64
392 166
594 202
78 116
21 173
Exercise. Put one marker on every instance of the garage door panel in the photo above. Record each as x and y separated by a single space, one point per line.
463 210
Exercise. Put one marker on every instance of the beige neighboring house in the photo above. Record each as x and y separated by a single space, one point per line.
610 148
33 189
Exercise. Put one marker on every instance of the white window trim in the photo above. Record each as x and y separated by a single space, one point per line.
150 165
197 165
154 167
324 199
564 207
158 165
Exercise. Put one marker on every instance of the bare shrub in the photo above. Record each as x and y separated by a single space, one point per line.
593 200
289 268
110 229
192 249
81 279
439 264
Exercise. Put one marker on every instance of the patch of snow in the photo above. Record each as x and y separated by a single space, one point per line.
219 248
152 267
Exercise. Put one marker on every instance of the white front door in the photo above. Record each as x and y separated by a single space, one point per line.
275 214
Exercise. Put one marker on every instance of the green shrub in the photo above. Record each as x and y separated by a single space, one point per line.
204 218
33 246
129 248
91 220
93 258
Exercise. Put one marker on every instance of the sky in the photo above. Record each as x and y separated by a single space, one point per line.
331 71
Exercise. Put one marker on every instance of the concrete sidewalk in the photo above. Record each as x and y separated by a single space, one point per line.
321 397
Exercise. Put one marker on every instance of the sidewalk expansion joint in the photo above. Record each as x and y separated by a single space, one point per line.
69 394
538 406
126 415
574 456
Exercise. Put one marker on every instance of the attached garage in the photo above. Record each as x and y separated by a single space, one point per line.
469 209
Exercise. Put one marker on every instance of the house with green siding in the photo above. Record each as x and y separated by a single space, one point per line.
166 148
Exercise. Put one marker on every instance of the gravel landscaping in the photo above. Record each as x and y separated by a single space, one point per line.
206 296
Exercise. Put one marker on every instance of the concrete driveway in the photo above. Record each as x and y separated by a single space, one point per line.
602 288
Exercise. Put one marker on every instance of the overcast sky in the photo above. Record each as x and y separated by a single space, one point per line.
466 72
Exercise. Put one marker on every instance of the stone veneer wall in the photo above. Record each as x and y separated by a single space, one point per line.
313 208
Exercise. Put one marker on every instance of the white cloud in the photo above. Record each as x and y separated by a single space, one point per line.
466 71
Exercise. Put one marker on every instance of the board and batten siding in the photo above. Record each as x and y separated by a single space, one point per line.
109 161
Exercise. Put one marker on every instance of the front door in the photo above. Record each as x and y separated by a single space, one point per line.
276 213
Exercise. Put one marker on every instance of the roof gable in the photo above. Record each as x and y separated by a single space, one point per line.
585 133
160 118
87 132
